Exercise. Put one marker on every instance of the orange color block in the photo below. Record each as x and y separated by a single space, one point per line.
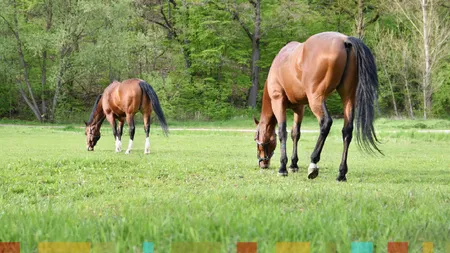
292 247
64 247
9 247
246 247
397 247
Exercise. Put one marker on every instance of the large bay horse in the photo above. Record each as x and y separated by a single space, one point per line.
307 73
121 101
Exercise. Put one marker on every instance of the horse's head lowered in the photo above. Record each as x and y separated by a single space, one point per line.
265 146
92 133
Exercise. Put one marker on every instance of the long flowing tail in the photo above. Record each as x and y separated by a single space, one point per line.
366 96
151 94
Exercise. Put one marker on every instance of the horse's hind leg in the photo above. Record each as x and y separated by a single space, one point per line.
347 133
295 135
321 112
119 135
130 122
147 133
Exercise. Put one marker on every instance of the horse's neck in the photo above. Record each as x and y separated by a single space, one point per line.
99 115
267 119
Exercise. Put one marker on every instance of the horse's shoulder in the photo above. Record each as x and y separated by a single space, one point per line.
288 50
290 46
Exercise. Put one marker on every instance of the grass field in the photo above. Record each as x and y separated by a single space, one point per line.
206 187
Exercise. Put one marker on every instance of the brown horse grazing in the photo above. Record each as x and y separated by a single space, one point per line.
306 73
121 101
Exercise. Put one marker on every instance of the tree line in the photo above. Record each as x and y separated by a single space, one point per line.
208 59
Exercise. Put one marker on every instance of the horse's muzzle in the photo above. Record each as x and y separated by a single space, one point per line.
264 164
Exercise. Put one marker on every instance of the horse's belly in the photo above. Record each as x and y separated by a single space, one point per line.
298 97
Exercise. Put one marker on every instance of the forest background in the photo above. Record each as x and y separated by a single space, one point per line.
208 60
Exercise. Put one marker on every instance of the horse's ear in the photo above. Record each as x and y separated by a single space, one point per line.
256 121
85 123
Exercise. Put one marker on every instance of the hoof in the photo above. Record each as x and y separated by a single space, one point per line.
128 152
293 169
283 173
341 179
313 171
118 146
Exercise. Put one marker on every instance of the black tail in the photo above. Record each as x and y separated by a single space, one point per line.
366 96
155 104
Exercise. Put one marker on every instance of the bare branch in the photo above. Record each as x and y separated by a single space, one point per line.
346 11
243 25
173 3
408 17
8 24
159 23
235 16
374 19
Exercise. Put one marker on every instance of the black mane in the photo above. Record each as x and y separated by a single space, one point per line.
91 118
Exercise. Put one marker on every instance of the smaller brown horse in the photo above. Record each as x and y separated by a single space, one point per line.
307 73
121 101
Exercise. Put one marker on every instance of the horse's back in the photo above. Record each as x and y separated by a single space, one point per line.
124 97
309 70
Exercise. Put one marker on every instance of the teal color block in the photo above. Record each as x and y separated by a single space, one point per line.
362 247
148 247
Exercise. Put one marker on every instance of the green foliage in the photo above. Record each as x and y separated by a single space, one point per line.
441 99
196 53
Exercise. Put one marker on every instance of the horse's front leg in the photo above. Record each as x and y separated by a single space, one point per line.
130 122
295 136
112 121
279 109
283 159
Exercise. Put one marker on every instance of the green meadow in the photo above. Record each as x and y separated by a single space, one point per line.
205 186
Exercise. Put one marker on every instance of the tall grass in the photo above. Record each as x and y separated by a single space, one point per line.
206 187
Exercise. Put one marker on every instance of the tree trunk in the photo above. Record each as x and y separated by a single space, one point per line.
31 102
360 20
408 95
44 60
43 83
392 92
169 15
186 42
62 68
255 56
34 109
427 91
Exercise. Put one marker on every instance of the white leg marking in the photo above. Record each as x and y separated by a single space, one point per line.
313 171
147 146
118 145
130 145
313 166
